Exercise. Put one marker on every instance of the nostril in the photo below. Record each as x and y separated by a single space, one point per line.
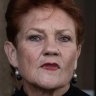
56 54
46 54
50 53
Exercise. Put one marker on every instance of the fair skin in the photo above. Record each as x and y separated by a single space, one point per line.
46 36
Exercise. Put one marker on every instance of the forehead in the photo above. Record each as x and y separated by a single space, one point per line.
46 17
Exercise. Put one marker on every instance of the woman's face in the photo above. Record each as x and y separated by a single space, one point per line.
46 52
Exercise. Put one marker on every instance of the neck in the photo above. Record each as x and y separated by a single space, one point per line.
33 90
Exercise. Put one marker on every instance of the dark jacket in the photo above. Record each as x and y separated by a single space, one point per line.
73 91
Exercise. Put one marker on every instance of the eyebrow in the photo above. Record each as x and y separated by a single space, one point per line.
62 30
43 31
37 30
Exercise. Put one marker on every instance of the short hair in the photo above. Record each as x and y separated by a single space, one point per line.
17 8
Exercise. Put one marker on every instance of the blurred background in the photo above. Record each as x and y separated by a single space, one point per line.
86 65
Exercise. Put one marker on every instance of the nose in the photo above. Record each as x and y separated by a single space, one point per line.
51 49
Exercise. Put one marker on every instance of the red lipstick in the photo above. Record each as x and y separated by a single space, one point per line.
50 66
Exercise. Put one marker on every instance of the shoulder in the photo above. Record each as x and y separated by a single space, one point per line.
74 91
19 92
79 92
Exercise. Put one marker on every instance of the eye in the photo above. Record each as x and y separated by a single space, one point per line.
64 38
35 38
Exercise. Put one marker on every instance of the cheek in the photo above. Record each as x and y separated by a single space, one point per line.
28 61
69 58
27 57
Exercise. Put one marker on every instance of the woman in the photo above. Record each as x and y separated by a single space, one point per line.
44 43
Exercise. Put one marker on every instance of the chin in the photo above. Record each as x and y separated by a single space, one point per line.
50 84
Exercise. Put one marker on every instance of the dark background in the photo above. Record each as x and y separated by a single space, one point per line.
86 65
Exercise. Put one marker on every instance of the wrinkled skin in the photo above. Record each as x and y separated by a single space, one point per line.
44 31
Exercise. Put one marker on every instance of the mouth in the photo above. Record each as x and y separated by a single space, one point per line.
50 66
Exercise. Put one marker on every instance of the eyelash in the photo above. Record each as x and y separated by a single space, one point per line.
64 38
61 38
35 38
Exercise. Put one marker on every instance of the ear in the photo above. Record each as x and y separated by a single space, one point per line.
79 50
11 53
77 55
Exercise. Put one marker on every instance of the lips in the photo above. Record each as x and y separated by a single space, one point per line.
50 66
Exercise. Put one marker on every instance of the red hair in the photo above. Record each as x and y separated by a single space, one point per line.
17 8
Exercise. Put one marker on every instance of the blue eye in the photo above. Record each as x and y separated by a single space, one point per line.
64 38
35 38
